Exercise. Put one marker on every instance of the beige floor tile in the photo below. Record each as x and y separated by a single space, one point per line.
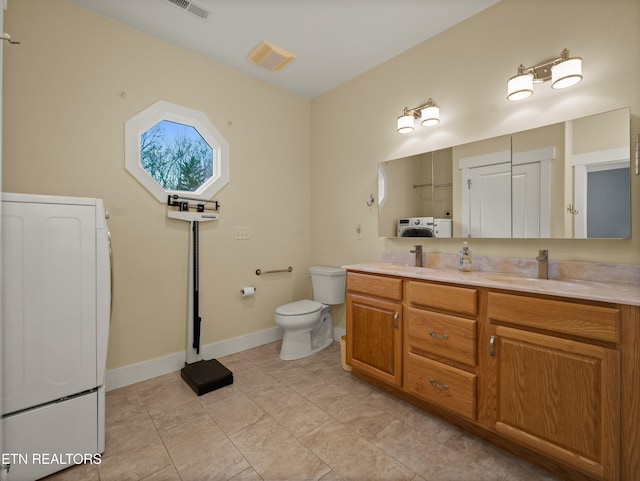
364 417
275 454
135 463
248 474
265 353
300 418
332 399
301 380
353 385
129 433
506 466
275 397
236 363
191 440
81 472
157 381
331 476
166 395
253 380
414 449
233 411
201 451
286 421
167 474
352 457
123 403
182 413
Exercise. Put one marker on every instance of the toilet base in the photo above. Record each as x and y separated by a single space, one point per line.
297 345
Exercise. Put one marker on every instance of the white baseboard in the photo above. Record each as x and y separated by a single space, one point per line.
124 376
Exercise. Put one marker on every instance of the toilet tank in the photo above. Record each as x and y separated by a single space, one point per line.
328 284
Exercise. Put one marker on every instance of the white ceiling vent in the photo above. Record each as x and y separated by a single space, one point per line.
192 8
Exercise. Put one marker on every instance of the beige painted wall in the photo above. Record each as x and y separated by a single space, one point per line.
64 135
64 128
465 70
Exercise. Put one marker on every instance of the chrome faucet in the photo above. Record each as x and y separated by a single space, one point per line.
543 264
418 252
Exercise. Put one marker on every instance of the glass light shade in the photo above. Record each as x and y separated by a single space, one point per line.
566 73
430 116
520 87
405 124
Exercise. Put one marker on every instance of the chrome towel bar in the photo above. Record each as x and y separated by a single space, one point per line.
260 271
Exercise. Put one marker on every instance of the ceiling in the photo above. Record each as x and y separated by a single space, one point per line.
333 40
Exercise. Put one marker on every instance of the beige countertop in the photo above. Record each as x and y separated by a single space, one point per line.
618 293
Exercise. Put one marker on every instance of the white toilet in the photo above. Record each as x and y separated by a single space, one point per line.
308 326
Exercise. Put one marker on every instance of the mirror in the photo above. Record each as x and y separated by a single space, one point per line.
566 180
420 186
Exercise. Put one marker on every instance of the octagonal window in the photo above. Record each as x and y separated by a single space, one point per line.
175 150
176 156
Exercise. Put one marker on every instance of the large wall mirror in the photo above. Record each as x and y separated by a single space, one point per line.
566 180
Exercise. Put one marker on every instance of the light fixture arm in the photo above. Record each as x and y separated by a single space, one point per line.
542 72
415 111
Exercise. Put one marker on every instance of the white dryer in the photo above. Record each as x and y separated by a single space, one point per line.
56 291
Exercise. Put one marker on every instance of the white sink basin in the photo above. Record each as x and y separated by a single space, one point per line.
546 283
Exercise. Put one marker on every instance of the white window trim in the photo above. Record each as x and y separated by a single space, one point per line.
161 110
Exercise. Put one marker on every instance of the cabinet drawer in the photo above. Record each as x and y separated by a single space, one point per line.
376 286
449 298
441 334
583 320
450 388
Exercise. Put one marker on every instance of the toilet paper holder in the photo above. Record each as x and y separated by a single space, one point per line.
247 291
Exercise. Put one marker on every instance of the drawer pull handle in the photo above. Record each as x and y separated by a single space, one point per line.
395 320
492 344
439 336
442 387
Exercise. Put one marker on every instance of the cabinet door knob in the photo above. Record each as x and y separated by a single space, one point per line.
492 344
395 320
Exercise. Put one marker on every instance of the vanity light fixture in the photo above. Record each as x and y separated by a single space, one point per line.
563 72
428 114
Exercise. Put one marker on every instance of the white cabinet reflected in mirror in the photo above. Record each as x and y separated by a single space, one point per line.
566 180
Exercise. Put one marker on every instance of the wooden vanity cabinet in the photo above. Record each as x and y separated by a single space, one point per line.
374 326
555 380
440 346
555 373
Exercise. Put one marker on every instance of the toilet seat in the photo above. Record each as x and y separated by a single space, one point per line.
299 308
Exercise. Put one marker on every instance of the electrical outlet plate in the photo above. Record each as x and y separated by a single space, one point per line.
241 233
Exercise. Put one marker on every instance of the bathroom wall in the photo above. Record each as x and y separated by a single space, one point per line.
465 70
63 133
68 89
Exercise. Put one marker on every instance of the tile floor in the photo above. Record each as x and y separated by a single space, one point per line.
286 421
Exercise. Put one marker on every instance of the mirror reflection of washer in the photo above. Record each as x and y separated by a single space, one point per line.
424 227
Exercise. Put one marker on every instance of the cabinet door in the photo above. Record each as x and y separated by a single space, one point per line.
374 337
559 397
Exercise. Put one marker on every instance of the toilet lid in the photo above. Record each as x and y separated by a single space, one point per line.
298 308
